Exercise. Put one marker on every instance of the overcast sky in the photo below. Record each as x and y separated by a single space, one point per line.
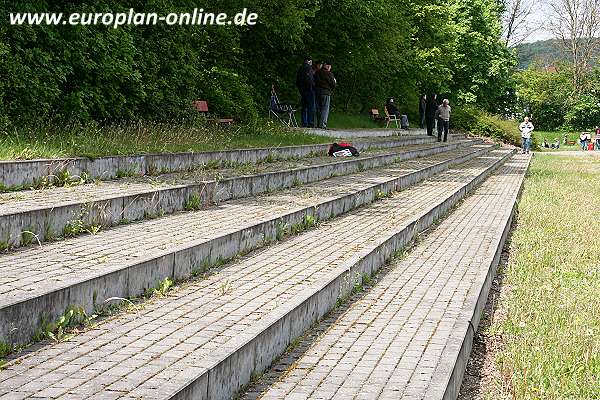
539 17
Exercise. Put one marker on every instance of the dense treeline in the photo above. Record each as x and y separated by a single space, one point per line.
542 52
379 48
549 96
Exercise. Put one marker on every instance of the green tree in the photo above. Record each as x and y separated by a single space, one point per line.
379 48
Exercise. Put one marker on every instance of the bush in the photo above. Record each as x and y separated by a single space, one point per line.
476 122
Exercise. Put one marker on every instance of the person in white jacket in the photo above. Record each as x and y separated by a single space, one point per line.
526 128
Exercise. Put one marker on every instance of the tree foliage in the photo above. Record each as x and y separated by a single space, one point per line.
548 95
379 48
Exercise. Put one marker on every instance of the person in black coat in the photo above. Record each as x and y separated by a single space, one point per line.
430 110
422 108
305 82
393 109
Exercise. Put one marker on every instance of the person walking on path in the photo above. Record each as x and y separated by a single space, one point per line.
443 119
325 85
305 82
526 128
422 108
430 110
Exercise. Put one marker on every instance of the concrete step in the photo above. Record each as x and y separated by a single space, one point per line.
21 174
39 283
409 336
365 133
32 217
207 338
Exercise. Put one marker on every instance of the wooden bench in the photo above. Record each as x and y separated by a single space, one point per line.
202 107
374 115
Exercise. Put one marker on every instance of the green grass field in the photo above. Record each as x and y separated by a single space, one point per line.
552 332
95 141
551 136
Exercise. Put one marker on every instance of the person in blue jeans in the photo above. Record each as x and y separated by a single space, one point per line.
584 139
305 82
526 127
325 84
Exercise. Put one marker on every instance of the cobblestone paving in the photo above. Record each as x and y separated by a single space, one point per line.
26 273
25 201
154 351
388 344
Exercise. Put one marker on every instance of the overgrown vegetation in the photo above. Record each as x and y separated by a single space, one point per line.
549 96
93 140
66 325
478 122
379 48
552 331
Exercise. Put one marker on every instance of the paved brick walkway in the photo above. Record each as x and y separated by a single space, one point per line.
60 196
397 341
29 272
153 352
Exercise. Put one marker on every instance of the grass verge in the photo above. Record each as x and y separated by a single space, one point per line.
551 336
339 120
51 141
347 121
551 136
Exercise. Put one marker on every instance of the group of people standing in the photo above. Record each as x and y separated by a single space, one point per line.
316 85
585 140
431 115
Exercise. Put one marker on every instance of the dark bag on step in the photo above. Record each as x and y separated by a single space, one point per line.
342 149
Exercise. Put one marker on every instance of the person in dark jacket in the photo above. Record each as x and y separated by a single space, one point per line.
422 108
430 111
317 65
305 82
393 109
325 84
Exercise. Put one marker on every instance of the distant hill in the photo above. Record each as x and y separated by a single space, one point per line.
546 52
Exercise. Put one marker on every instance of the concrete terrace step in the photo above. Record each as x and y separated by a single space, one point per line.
205 339
410 335
23 173
367 133
38 283
36 216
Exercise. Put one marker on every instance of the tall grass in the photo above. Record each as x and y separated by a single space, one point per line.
339 120
93 140
352 121
552 332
